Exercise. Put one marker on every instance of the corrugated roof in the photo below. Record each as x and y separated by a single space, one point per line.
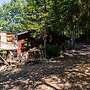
22 33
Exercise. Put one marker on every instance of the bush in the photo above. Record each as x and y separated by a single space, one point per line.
52 50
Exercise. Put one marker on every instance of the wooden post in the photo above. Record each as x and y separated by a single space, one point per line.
45 41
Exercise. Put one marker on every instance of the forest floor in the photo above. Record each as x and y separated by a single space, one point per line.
72 72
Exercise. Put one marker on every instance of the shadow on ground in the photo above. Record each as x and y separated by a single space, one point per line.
68 73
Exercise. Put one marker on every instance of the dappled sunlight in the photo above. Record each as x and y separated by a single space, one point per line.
63 74
44 45
56 73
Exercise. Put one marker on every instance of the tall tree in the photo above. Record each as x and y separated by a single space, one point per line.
12 15
69 17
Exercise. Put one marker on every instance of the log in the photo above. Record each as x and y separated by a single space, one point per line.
5 62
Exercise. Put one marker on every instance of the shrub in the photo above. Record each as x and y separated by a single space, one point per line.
52 50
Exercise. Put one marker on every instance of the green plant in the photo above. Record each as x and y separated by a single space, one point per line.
52 50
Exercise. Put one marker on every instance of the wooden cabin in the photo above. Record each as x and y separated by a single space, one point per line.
10 41
13 45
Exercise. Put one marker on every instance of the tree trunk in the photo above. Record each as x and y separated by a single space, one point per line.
73 42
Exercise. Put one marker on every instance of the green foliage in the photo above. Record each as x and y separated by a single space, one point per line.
24 15
69 17
12 16
64 17
52 50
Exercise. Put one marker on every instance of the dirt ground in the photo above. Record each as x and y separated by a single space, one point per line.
69 73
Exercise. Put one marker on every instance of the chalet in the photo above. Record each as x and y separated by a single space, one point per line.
17 41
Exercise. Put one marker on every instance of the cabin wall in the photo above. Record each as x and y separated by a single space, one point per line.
5 43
